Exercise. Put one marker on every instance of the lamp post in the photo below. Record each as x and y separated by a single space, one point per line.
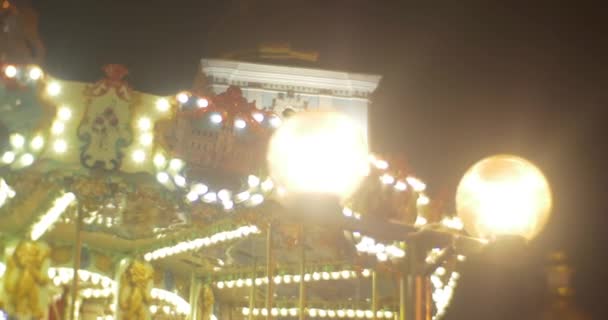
320 158
506 200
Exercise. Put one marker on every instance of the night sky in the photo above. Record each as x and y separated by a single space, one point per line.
461 81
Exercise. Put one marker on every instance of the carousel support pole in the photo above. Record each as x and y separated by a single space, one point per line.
413 293
269 272
194 288
427 299
419 297
252 290
302 302
402 295
77 258
374 293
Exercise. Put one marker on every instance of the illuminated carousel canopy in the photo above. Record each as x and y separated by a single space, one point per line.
170 196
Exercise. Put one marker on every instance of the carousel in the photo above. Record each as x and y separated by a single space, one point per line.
119 204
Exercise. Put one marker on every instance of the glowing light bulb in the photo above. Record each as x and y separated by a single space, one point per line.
35 73
416 184
37 143
504 195
256 199
216 118
401 186
180 181
423 200
176 164
10 71
319 152
253 181
366 273
163 105
200 188
144 123
146 139
228 205
387 179
159 160
224 195
210 197
257 116
27 159
240 123
17 141
53 89
8 157
60 146
183 97
267 185
381 164
139 156
64 113
202 103
162 177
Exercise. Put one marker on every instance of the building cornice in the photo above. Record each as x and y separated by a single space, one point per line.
297 79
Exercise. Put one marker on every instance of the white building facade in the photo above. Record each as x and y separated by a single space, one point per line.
279 88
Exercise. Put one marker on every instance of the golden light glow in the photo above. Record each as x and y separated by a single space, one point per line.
504 195
60 146
183 97
8 157
64 113
146 139
53 89
144 123
139 156
159 160
10 71
35 73
17 141
318 152
202 103
57 128
162 105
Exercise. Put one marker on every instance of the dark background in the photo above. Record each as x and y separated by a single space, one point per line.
461 81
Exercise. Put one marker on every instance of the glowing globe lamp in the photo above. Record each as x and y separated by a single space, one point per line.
503 195
318 152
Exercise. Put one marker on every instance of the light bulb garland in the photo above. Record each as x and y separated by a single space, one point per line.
105 287
383 252
181 305
313 312
442 290
322 274
47 220
198 243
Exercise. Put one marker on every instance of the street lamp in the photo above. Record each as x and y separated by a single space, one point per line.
318 158
318 152
505 199
503 195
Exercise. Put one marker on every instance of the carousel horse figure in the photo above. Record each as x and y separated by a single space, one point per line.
135 286
25 280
